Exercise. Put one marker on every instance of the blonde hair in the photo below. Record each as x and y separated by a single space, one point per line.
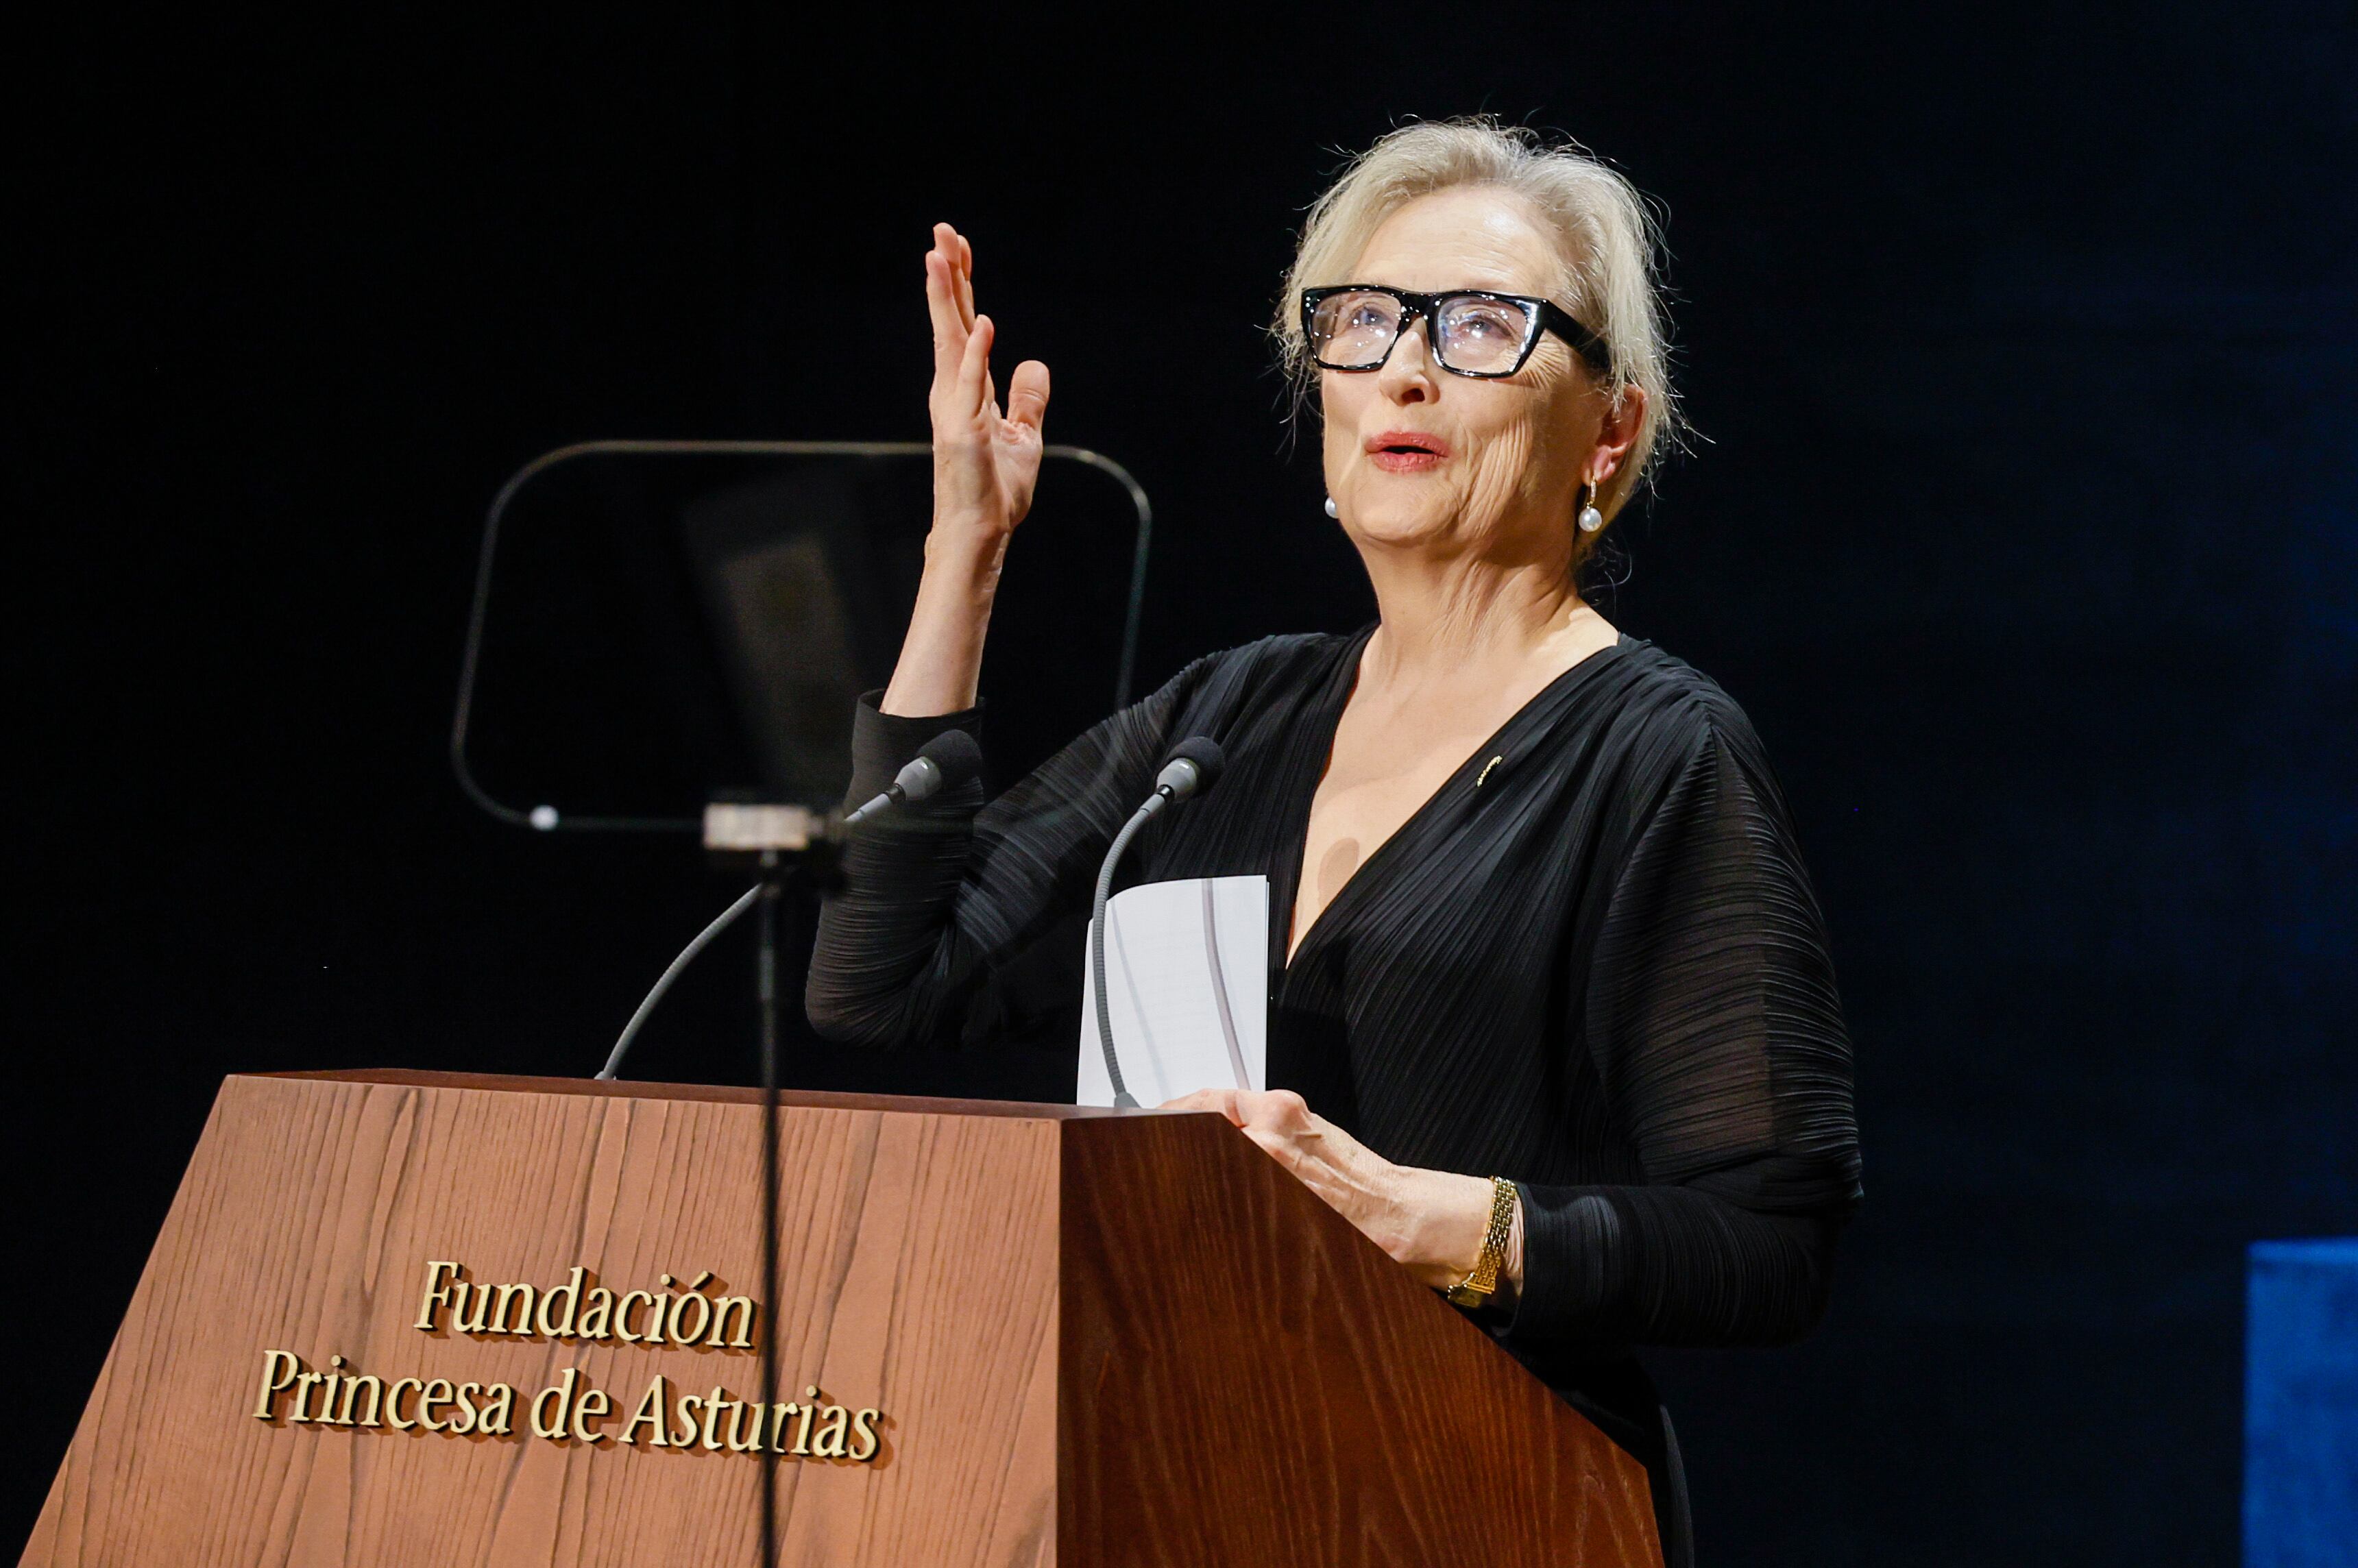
1604 233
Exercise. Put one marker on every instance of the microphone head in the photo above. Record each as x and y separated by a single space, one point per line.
957 755
948 760
1194 767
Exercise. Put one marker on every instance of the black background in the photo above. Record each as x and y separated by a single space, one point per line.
2025 526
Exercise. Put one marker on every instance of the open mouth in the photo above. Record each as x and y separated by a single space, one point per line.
1406 450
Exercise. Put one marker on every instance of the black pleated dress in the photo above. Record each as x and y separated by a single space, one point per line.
1591 963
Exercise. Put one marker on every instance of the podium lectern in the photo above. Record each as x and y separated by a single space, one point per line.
402 1318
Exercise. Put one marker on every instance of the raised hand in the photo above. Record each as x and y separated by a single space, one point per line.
986 460
986 463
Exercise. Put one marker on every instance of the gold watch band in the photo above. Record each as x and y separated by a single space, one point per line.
1483 1283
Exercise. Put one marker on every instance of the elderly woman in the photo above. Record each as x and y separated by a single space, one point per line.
1552 1019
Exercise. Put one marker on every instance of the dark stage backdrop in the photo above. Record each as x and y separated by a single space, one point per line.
2024 521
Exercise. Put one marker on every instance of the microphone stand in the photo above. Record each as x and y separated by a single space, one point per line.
766 986
794 853
1194 764
794 849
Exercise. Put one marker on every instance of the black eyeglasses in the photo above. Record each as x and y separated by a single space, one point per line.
1473 331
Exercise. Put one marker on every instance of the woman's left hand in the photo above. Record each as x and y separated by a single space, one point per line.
1432 1221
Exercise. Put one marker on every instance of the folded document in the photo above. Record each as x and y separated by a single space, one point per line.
1187 981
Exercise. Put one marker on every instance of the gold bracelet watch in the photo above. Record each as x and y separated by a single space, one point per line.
1483 1283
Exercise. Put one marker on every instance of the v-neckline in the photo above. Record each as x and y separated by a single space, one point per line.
1340 687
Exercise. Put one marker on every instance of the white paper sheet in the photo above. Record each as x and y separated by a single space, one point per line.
1187 977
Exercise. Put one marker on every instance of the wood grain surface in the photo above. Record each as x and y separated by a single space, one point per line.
1097 1338
1248 1379
917 1268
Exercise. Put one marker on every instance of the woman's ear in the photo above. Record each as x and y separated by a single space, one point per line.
1625 415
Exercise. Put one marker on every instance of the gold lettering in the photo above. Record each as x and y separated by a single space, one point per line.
863 1429
714 1403
464 1421
744 1426
352 1393
328 1389
778 1415
303 1386
656 1315
544 1424
593 1405
392 1416
801 1450
278 1369
499 1416
436 1293
746 1313
510 1296
832 1421
623 1317
689 1405
598 1309
562 1328
703 1305
651 1410
461 1322
428 1399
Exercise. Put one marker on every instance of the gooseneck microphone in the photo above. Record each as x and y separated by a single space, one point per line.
949 758
1193 766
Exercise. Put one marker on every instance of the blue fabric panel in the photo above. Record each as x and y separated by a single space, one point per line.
2300 1406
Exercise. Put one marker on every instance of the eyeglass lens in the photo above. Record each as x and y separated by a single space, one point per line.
1354 330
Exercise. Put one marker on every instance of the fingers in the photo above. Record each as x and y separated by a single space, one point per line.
958 274
1221 1100
1274 1118
964 272
941 304
1278 1110
1277 1147
1270 1108
1027 397
974 369
949 300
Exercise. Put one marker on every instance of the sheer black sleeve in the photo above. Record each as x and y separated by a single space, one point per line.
1713 1021
940 896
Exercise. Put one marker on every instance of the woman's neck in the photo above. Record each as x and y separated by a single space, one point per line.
1463 615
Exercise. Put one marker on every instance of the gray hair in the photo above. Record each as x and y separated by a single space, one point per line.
1603 230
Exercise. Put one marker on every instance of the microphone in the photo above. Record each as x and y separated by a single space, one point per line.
1192 767
949 758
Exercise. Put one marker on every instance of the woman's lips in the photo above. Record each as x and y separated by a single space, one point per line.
1407 451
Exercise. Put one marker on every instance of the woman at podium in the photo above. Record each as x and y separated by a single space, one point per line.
1552 1017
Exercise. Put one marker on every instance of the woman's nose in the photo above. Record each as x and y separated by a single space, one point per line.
1407 374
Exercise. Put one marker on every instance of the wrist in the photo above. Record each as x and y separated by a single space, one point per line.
962 566
941 658
1448 1215
962 536
1492 1279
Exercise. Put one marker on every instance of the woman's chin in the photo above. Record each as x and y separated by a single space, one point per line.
1401 528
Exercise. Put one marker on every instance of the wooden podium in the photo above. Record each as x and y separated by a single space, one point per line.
1008 1334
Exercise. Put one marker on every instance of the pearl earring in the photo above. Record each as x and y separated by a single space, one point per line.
1591 519
1331 512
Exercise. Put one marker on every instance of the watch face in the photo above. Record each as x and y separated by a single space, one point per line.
1472 1291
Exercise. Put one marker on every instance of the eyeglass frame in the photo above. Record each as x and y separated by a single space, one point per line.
1540 315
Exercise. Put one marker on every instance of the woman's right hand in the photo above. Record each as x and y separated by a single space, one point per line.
986 463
